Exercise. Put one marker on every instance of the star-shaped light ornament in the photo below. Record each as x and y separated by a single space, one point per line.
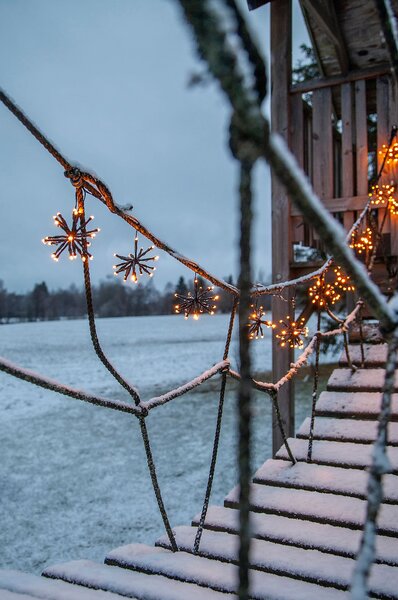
323 294
343 281
292 333
362 242
392 153
74 239
136 264
257 322
382 195
196 303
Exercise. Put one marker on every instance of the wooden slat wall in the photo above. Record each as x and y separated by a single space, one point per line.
322 143
347 142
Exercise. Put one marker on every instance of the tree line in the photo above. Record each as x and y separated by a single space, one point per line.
110 298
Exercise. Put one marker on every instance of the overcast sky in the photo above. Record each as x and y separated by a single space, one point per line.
106 80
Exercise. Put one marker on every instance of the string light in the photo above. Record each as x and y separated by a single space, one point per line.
343 281
256 322
139 261
382 195
363 242
323 294
291 333
74 240
199 302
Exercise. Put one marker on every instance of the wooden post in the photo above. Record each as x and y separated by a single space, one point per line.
281 61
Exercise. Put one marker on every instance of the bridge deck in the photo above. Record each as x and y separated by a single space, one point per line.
306 520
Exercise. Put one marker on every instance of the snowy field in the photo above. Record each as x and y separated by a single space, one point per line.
73 477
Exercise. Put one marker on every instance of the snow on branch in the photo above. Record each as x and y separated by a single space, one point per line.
55 386
187 387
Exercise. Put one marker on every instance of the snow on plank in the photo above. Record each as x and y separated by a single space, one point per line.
306 565
46 589
347 430
316 506
128 583
312 477
339 454
361 380
215 574
375 355
362 405
297 532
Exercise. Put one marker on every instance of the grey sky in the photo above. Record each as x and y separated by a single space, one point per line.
106 80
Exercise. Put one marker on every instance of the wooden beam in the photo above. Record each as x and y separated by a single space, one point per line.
281 60
361 136
347 142
322 82
339 204
322 143
324 14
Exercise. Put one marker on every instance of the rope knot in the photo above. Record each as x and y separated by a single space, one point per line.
243 147
75 176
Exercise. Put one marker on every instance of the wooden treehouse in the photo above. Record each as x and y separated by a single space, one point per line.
307 514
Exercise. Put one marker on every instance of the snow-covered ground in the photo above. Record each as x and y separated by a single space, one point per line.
73 477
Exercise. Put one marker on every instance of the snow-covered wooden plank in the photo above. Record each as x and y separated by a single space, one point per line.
347 430
375 355
298 532
339 454
215 574
321 478
361 380
6 595
306 565
361 405
316 506
129 583
35 586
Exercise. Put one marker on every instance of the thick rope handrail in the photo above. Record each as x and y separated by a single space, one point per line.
50 384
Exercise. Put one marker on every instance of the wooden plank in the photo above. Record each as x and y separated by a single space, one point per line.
361 136
347 118
302 565
339 454
40 587
347 430
319 83
361 380
340 204
281 53
215 574
322 143
375 355
316 507
321 478
361 405
330 539
128 583
297 129
382 103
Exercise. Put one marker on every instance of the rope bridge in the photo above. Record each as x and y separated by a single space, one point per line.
250 141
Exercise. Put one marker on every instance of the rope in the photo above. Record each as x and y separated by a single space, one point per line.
130 389
314 390
216 442
22 118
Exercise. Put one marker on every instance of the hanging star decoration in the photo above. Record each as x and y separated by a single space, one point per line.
323 294
343 281
382 195
74 239
136 264
256 322
196 303
291 333
392 153
362 242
